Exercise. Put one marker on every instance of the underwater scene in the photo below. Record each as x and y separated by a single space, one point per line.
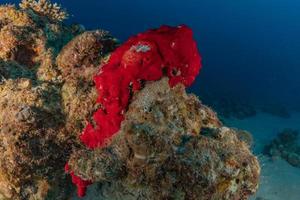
149 100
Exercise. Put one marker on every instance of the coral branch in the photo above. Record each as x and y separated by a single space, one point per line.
45 8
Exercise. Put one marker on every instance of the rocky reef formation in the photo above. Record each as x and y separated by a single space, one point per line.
60 83
286 146
170 146
163 52
45 8
41 97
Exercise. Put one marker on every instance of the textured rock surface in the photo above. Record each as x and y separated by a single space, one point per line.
45 8
170 146
43 109
78 62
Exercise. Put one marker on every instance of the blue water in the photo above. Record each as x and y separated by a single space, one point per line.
250 48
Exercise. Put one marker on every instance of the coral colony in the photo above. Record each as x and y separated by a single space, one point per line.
75 103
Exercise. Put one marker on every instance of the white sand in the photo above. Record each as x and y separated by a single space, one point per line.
279 180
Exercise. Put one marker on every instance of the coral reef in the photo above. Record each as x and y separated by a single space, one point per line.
286 145
122 119
32 138
170 146
38 100
166 51
79 59
45 8
142 58
78 62
31 41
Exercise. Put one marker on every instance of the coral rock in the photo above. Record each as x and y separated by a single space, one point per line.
41 111
45 8
63 93
81 57
286 145
166 51
166 149
142 58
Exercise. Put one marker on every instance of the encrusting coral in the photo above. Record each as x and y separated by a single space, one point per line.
118 116
38 124
78 61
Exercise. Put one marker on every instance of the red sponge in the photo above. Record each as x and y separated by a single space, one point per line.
166 51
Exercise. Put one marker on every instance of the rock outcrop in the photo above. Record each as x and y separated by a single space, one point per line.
168 145
42 108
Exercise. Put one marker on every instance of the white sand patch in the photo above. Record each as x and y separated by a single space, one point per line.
279 181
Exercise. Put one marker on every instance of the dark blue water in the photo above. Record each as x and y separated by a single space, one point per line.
250 48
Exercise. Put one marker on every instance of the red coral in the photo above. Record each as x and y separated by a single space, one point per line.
167 51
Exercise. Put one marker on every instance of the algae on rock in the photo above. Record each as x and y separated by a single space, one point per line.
170 146
39 103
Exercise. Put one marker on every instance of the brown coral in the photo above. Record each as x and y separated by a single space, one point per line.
39 108
24 40
45 8
10 15
29 136
81 57
78 61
